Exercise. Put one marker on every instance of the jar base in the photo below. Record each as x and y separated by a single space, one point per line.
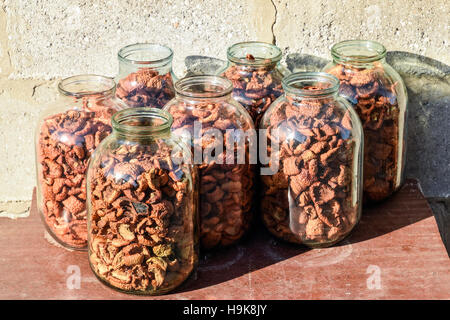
313 244
192 274
372 203
59 241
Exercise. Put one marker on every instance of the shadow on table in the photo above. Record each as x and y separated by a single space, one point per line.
402 209
261 249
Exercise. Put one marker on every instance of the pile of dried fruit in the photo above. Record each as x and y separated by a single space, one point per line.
374 98
66 141
142 219
309 200
226 190
146 88
255 87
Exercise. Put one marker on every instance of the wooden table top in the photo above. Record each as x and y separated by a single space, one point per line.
394 253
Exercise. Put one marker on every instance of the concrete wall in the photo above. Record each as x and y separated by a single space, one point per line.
42 41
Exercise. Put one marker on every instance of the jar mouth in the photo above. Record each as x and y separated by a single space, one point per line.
87 85
311 84
358 51
262 52
146 54
203 86
141 121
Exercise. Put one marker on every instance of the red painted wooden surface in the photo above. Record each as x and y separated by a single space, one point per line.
395 253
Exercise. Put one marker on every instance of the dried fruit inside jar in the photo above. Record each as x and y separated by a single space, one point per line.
220 133
142 206
145 76
314 142
378 95
256 73
67 134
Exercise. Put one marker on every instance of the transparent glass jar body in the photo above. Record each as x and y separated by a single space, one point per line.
378 94
68 131
142 205
145 76
256 73
211 121
312 192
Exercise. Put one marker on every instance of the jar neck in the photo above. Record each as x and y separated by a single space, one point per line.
358 52
254 54
87 87
203 88
310 85
141 123
145 56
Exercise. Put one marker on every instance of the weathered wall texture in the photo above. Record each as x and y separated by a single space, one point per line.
312 27
42 41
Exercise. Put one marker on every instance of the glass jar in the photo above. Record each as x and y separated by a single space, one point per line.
68 131
221 134
142 205
145 76
379 96
256 73
314 141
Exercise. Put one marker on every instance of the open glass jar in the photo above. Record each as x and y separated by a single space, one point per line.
256 73
221 134
145 76
142 205
379 96
68 131
312 194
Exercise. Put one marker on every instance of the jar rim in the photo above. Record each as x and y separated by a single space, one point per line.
119 121
83 85
198 86
127 53
374 51
295 84
272 53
